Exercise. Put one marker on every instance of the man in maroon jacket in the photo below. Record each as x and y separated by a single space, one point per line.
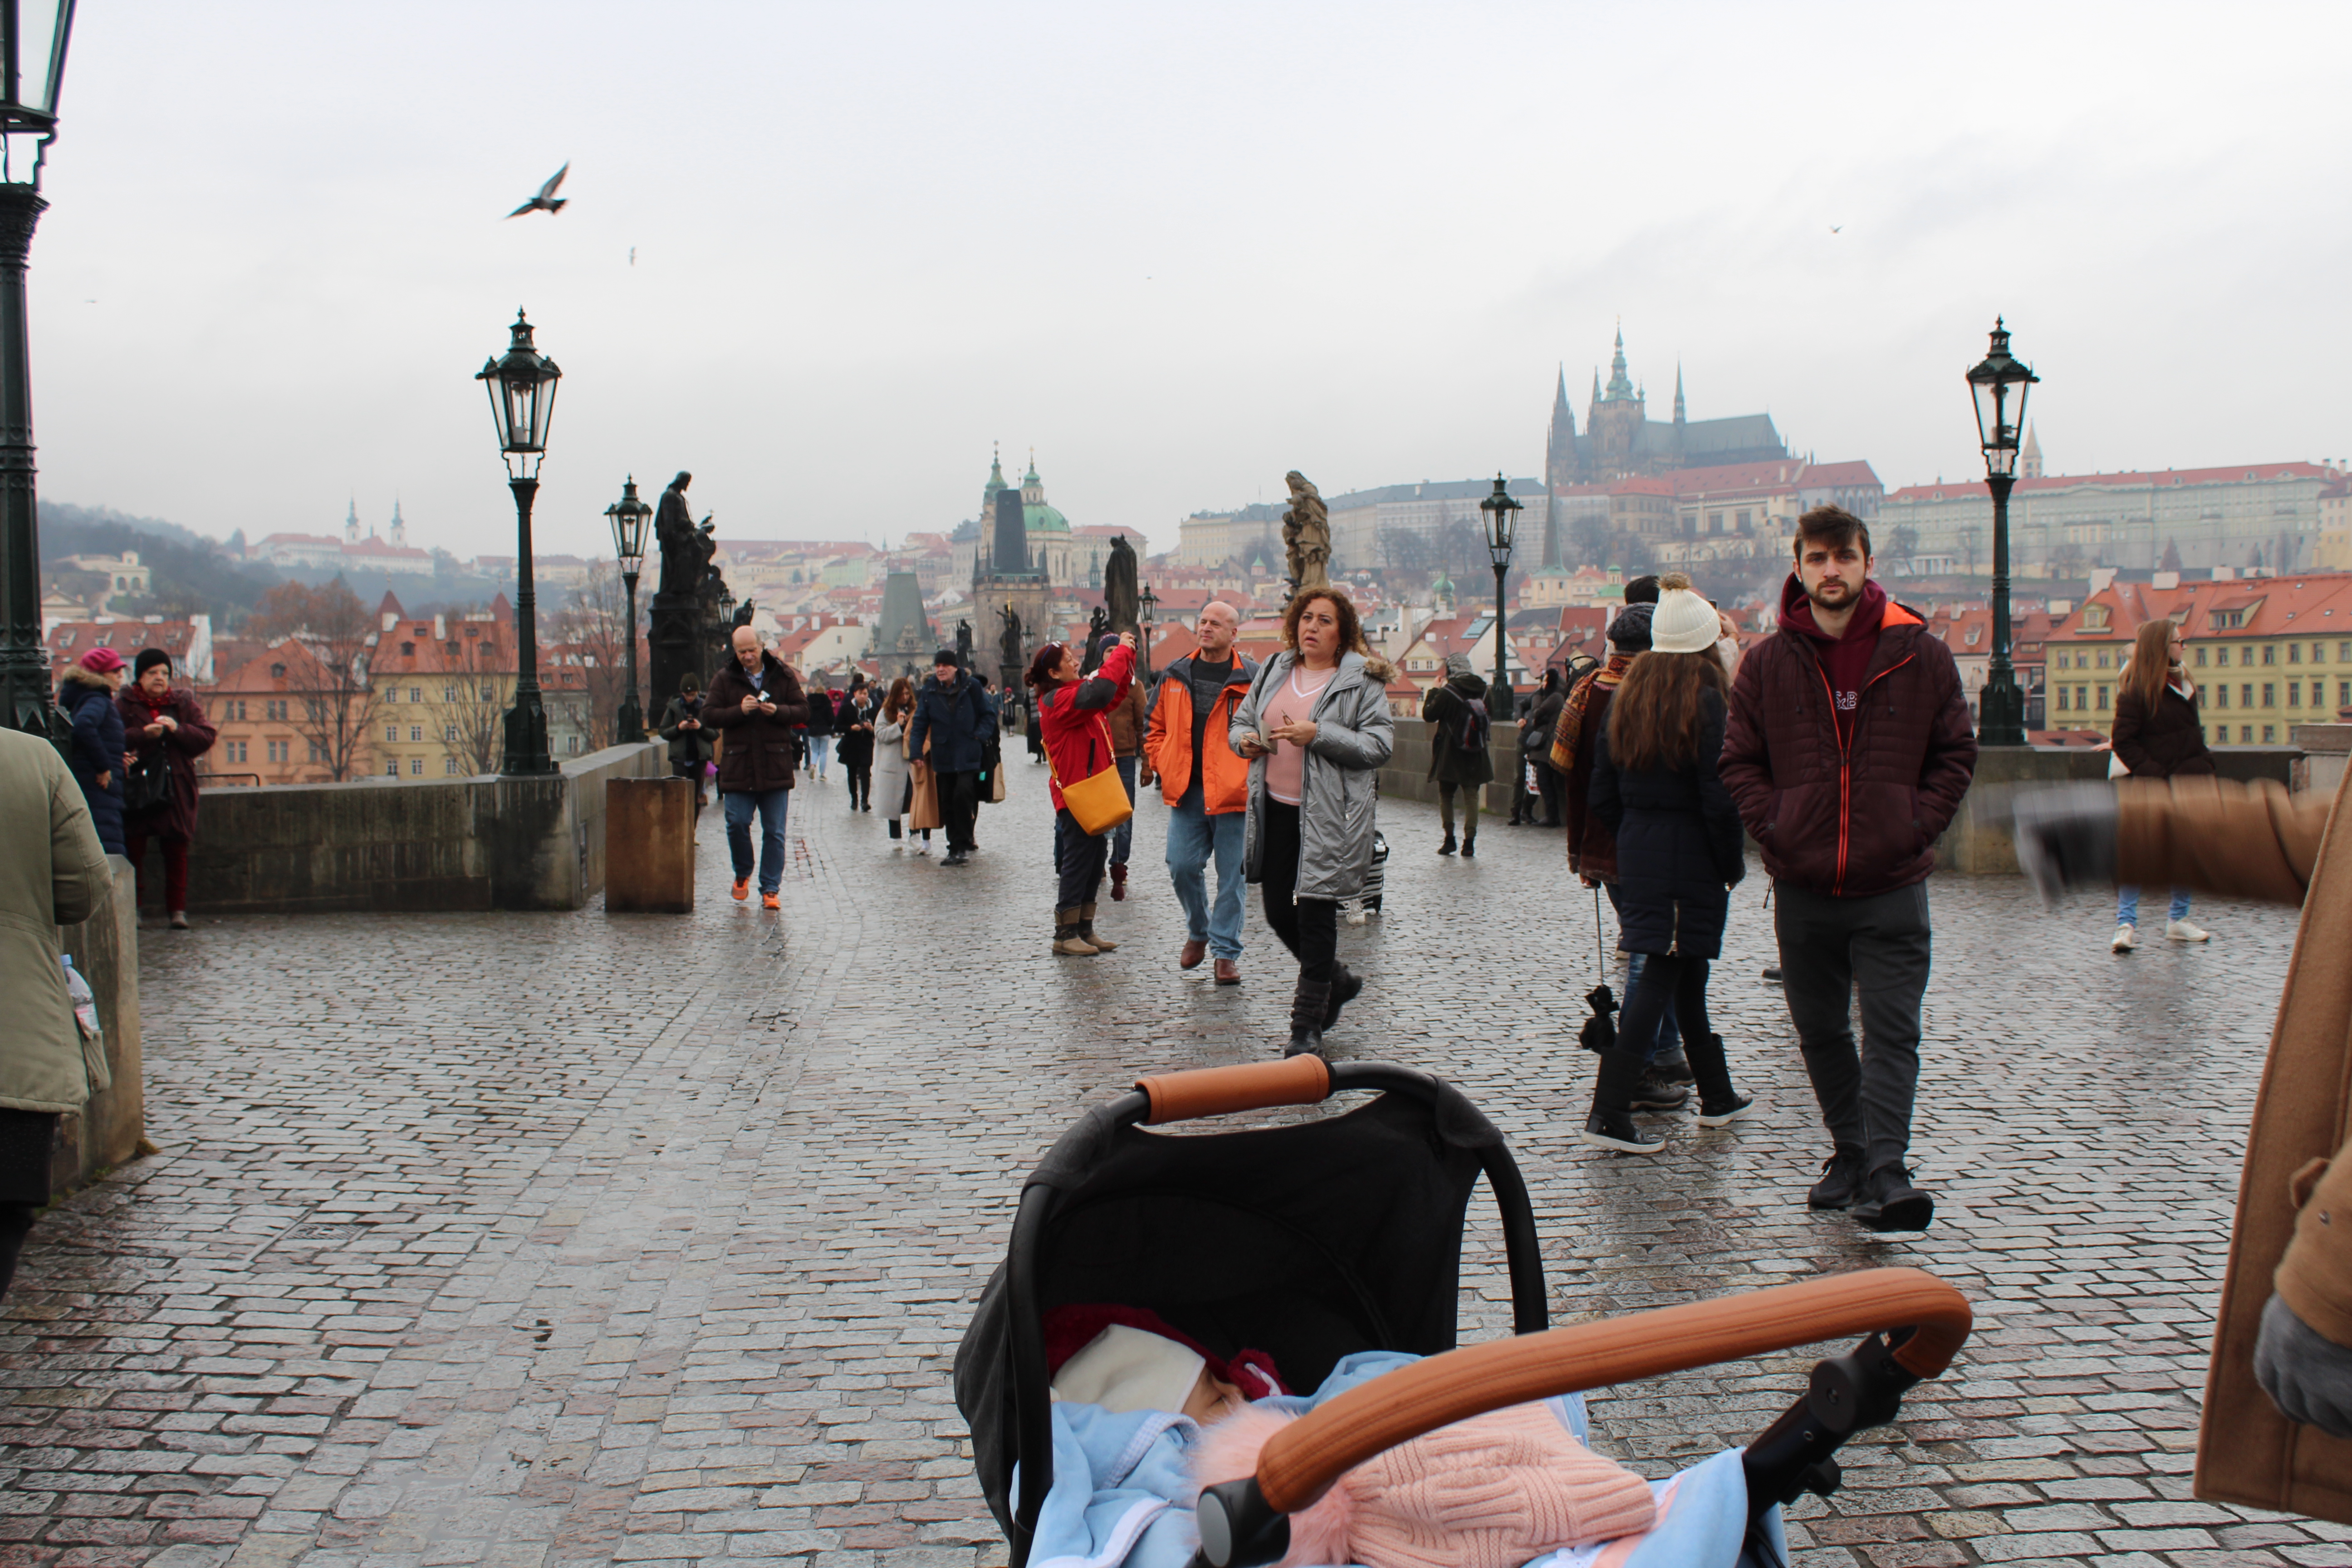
1848 750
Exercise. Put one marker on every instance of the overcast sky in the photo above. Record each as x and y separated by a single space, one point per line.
1177 248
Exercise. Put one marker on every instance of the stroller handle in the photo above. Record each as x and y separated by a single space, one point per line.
1302 1079
1305 1458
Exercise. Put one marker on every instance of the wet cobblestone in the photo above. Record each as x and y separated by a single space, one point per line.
565 1239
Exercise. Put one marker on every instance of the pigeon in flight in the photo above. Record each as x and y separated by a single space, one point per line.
1834 229
547 201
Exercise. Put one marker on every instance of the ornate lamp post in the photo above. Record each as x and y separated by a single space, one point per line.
2001 384
1150 603
628 517
522 402
1502 517
32 68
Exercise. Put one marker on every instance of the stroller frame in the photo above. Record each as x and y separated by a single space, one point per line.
1912 1324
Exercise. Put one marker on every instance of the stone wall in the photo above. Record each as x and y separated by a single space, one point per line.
105 950
479 843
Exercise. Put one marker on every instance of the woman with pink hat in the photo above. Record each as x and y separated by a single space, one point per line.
100 752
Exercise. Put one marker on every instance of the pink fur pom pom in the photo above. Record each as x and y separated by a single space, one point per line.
1228 1450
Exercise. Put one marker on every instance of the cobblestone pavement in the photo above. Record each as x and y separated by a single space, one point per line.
542 1239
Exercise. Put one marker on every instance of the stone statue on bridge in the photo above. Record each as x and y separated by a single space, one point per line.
1119 594
686 549
1008 641
1307 534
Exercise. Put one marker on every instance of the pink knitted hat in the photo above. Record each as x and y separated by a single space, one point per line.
1489 1492
102 661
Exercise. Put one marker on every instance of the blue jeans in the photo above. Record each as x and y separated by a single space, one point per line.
1123 836
770 804
2128 905
820 747
1193 837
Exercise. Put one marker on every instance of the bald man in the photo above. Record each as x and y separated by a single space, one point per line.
1206 786
755 703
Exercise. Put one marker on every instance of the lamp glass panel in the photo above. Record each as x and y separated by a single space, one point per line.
1988 416
36 33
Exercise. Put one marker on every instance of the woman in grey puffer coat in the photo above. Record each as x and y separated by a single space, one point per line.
1316 728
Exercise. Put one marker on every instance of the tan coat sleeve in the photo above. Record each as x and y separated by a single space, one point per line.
2232 840
81 880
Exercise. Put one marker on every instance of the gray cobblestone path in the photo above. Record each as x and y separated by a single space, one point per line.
569 1239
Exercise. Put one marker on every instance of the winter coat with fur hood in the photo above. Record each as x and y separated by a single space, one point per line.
1354 734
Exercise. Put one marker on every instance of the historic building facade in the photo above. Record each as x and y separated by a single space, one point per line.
1619 438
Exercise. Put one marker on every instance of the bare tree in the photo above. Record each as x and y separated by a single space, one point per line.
1903 545
594 624
469 703
333 700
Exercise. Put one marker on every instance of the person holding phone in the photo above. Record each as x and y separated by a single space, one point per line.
1315 729
757 703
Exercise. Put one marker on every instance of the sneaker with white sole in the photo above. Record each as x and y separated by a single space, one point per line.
2182 931
2126 940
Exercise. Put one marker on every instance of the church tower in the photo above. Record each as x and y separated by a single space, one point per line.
1613 431
399 529
1560 465
2029 457
352 523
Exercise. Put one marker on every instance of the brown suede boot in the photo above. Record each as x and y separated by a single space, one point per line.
1087 930
1067 942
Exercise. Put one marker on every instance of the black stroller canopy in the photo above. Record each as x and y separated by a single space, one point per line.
1310 1242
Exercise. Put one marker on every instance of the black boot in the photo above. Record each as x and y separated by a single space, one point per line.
1346 987
1447 848
1469 844
1653 1092
1720 1104
1306 1008
1610 1123
1889 1202
1841 1179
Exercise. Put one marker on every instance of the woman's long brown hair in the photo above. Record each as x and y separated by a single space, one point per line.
1655 719
901 697
2151 664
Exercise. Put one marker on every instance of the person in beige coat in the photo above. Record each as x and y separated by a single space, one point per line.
2278 1429
47 880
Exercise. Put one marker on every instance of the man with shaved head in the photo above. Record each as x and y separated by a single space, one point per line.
755 703
1206 786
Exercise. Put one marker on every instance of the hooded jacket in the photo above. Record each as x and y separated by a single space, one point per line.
53 872
1354 735
97 748
1856 813
1168 744
1078 740
1444 707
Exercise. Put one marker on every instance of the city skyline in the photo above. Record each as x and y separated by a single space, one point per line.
827 303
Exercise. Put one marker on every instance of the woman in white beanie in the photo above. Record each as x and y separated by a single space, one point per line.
1679 851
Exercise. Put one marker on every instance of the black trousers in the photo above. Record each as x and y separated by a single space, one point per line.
861 784
1309 927
1881 946
1555 794
692 771
959 806
1080 857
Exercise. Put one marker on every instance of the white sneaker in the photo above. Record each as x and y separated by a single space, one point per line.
2126 940
2182 931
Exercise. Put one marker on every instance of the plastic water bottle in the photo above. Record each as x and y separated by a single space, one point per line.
85 1000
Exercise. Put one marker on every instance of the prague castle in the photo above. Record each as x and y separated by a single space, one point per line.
1620 437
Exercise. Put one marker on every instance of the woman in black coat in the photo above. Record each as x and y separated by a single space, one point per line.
1679 851
100 755
853 743
2157 734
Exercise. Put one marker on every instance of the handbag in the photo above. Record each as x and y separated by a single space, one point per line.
148 785
1099 802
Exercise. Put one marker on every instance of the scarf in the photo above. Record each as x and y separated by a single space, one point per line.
1572 715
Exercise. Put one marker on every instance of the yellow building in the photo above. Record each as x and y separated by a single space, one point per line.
2266 653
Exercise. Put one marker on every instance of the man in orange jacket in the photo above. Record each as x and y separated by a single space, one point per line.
1206 786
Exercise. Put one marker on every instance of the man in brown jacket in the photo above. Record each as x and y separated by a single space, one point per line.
1848 750
755 703
2277 1427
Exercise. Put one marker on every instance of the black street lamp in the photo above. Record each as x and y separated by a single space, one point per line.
522 384
628 517
2001 384
1502 518
1149 601
32 68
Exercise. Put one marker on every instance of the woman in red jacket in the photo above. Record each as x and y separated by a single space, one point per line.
1070 717
161 721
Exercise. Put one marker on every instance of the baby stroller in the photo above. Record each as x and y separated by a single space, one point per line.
1317 1240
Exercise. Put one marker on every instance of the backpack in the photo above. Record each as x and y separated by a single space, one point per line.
1475 729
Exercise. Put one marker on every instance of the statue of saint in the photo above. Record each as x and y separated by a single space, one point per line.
686 549
1307 534
1008 641
1097 623
1118 587
963 644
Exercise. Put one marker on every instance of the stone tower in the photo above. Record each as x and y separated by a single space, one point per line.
1613 424
1560 465
352 523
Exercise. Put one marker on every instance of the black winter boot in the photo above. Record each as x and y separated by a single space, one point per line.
1720 1104
1841 1179
1307 1007
1447 848
1469 845
1346 987
1653 1092
1610 1123
1889 1202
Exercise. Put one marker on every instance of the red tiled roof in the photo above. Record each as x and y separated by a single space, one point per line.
2167 477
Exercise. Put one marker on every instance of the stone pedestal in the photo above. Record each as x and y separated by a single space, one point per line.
105 950
649 846
677 640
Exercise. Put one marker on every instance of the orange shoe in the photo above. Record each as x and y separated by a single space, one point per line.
769 901
742 889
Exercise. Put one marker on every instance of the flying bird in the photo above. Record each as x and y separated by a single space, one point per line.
1834 229
547 201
